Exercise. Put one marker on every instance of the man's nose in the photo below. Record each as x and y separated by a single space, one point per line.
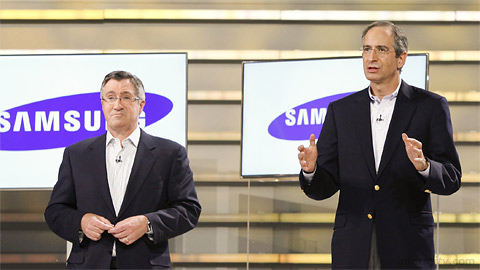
373 54
118 103
372 57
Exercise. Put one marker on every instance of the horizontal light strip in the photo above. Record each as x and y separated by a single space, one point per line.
467 16
222 177
470 177
191 14
242 15
301 218
306 258
353 15
51 14
32 258
318 258
218 177
473 136
307 218
22 217
215 95
470 96
214 136
271 218
242 55
234 95
230 258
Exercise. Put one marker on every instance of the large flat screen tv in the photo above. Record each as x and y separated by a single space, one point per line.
284 102
51 101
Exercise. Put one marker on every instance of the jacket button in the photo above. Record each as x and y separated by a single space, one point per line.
377 187
369 216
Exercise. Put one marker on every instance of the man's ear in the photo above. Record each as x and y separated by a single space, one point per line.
401 60
142 105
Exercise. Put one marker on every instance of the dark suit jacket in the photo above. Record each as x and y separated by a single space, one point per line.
160 186
401 207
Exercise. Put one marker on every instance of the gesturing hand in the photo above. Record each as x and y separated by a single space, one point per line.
308 156
130 229
94 225
415 153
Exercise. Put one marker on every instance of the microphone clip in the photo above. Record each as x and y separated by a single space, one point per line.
379 119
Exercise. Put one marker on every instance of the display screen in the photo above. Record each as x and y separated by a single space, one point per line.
286 101
49 102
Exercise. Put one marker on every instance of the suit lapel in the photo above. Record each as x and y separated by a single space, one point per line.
361 112
97 165
402 113
144 159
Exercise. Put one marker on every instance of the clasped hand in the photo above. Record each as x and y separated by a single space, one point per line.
126 231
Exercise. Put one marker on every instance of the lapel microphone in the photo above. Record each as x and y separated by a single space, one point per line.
118 159
379 119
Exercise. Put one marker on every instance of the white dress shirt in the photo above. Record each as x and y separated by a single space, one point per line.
381 112
119 164
119 167
380 115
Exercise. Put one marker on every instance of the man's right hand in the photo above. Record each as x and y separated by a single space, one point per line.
94 225
308 156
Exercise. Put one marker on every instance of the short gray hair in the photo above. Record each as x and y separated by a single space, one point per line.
400 44
125 75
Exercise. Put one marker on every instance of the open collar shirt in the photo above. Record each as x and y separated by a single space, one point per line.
119 164
381 112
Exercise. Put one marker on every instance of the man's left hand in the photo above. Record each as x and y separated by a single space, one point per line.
131 229
415 153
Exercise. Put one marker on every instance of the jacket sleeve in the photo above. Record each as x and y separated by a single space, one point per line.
183 210
325 181
61 213
445 171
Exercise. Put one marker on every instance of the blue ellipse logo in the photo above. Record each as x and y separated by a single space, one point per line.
298 123
62 121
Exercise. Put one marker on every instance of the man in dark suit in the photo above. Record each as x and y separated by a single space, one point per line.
386 148
122 195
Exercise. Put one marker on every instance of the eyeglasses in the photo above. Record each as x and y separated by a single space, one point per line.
381 50
125 99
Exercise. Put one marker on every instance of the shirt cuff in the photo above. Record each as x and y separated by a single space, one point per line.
426 172
309 176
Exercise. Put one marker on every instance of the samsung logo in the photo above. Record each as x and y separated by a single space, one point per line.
62 121
298 123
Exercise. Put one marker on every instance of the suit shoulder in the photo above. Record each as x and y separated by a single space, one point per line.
423 95
165 144
83 144
352 97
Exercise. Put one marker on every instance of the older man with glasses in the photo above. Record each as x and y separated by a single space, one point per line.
121 196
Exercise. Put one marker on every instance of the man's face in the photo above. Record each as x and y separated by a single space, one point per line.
122 116
379 62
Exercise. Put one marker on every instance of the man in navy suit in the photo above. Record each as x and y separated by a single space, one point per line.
386 148
122 195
